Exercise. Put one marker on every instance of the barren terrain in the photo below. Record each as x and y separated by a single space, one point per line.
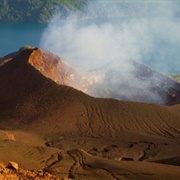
50 126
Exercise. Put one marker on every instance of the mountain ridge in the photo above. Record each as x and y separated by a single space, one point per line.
111 81
34 95
107 81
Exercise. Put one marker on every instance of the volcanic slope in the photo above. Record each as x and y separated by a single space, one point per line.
129 81
51 124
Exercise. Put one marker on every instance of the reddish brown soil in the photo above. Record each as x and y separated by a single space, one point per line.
47 121
7 173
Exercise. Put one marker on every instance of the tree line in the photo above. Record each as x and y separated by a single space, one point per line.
36 10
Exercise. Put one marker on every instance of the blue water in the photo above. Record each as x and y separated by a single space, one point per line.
14 36
164 58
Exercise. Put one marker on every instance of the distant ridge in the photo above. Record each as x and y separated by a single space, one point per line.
143 84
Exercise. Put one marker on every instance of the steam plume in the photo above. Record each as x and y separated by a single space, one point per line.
144 31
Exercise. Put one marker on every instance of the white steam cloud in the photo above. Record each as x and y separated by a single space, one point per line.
144 31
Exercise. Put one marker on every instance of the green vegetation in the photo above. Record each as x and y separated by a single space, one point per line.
25 47
175 77
36 10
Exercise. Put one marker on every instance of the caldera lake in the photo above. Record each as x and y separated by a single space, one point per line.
14 36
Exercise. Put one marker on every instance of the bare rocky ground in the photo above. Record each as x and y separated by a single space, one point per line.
11 173
47 128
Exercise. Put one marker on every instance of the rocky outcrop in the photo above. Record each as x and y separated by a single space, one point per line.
12 171
12 165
